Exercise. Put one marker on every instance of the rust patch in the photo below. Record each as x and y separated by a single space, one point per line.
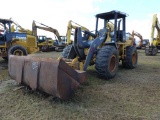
56 78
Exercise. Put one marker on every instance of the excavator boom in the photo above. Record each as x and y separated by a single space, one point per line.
73 25
152 49
139 43
155 24
46 28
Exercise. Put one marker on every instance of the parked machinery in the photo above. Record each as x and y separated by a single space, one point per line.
56 78
48 44
105 49
109 45
152 49
137 42
145 42
16 43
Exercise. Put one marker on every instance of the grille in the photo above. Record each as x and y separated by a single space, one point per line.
31 41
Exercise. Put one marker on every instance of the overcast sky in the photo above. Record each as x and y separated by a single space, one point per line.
57 13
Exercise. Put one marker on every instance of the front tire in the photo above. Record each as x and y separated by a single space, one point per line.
107 62
17 50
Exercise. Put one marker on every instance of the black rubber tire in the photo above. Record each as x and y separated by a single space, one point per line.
66 51
59 49
45 48
147 52
131 58
107 61
52 48
154 51
17 48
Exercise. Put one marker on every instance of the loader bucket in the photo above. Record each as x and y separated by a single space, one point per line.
56 78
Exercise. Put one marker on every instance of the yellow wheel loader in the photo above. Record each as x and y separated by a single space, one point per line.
105 48
15 43
109 46
154 46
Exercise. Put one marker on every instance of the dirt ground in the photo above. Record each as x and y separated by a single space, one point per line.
132 94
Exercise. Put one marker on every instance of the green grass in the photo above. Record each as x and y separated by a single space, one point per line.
132 94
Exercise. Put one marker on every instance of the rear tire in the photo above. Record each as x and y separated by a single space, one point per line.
107 62
66 51
17 50
131 59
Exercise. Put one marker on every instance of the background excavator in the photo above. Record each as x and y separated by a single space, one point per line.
138 42
48 44
154 46
15 42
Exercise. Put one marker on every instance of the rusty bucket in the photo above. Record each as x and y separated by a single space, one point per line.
56 78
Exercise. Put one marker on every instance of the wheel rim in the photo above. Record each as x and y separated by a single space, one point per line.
134 58
18 52
112 65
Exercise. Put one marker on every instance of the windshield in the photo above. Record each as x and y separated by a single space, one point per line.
41 38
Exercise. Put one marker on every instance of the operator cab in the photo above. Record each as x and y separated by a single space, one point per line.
64 39
41 39
116 17
6 28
